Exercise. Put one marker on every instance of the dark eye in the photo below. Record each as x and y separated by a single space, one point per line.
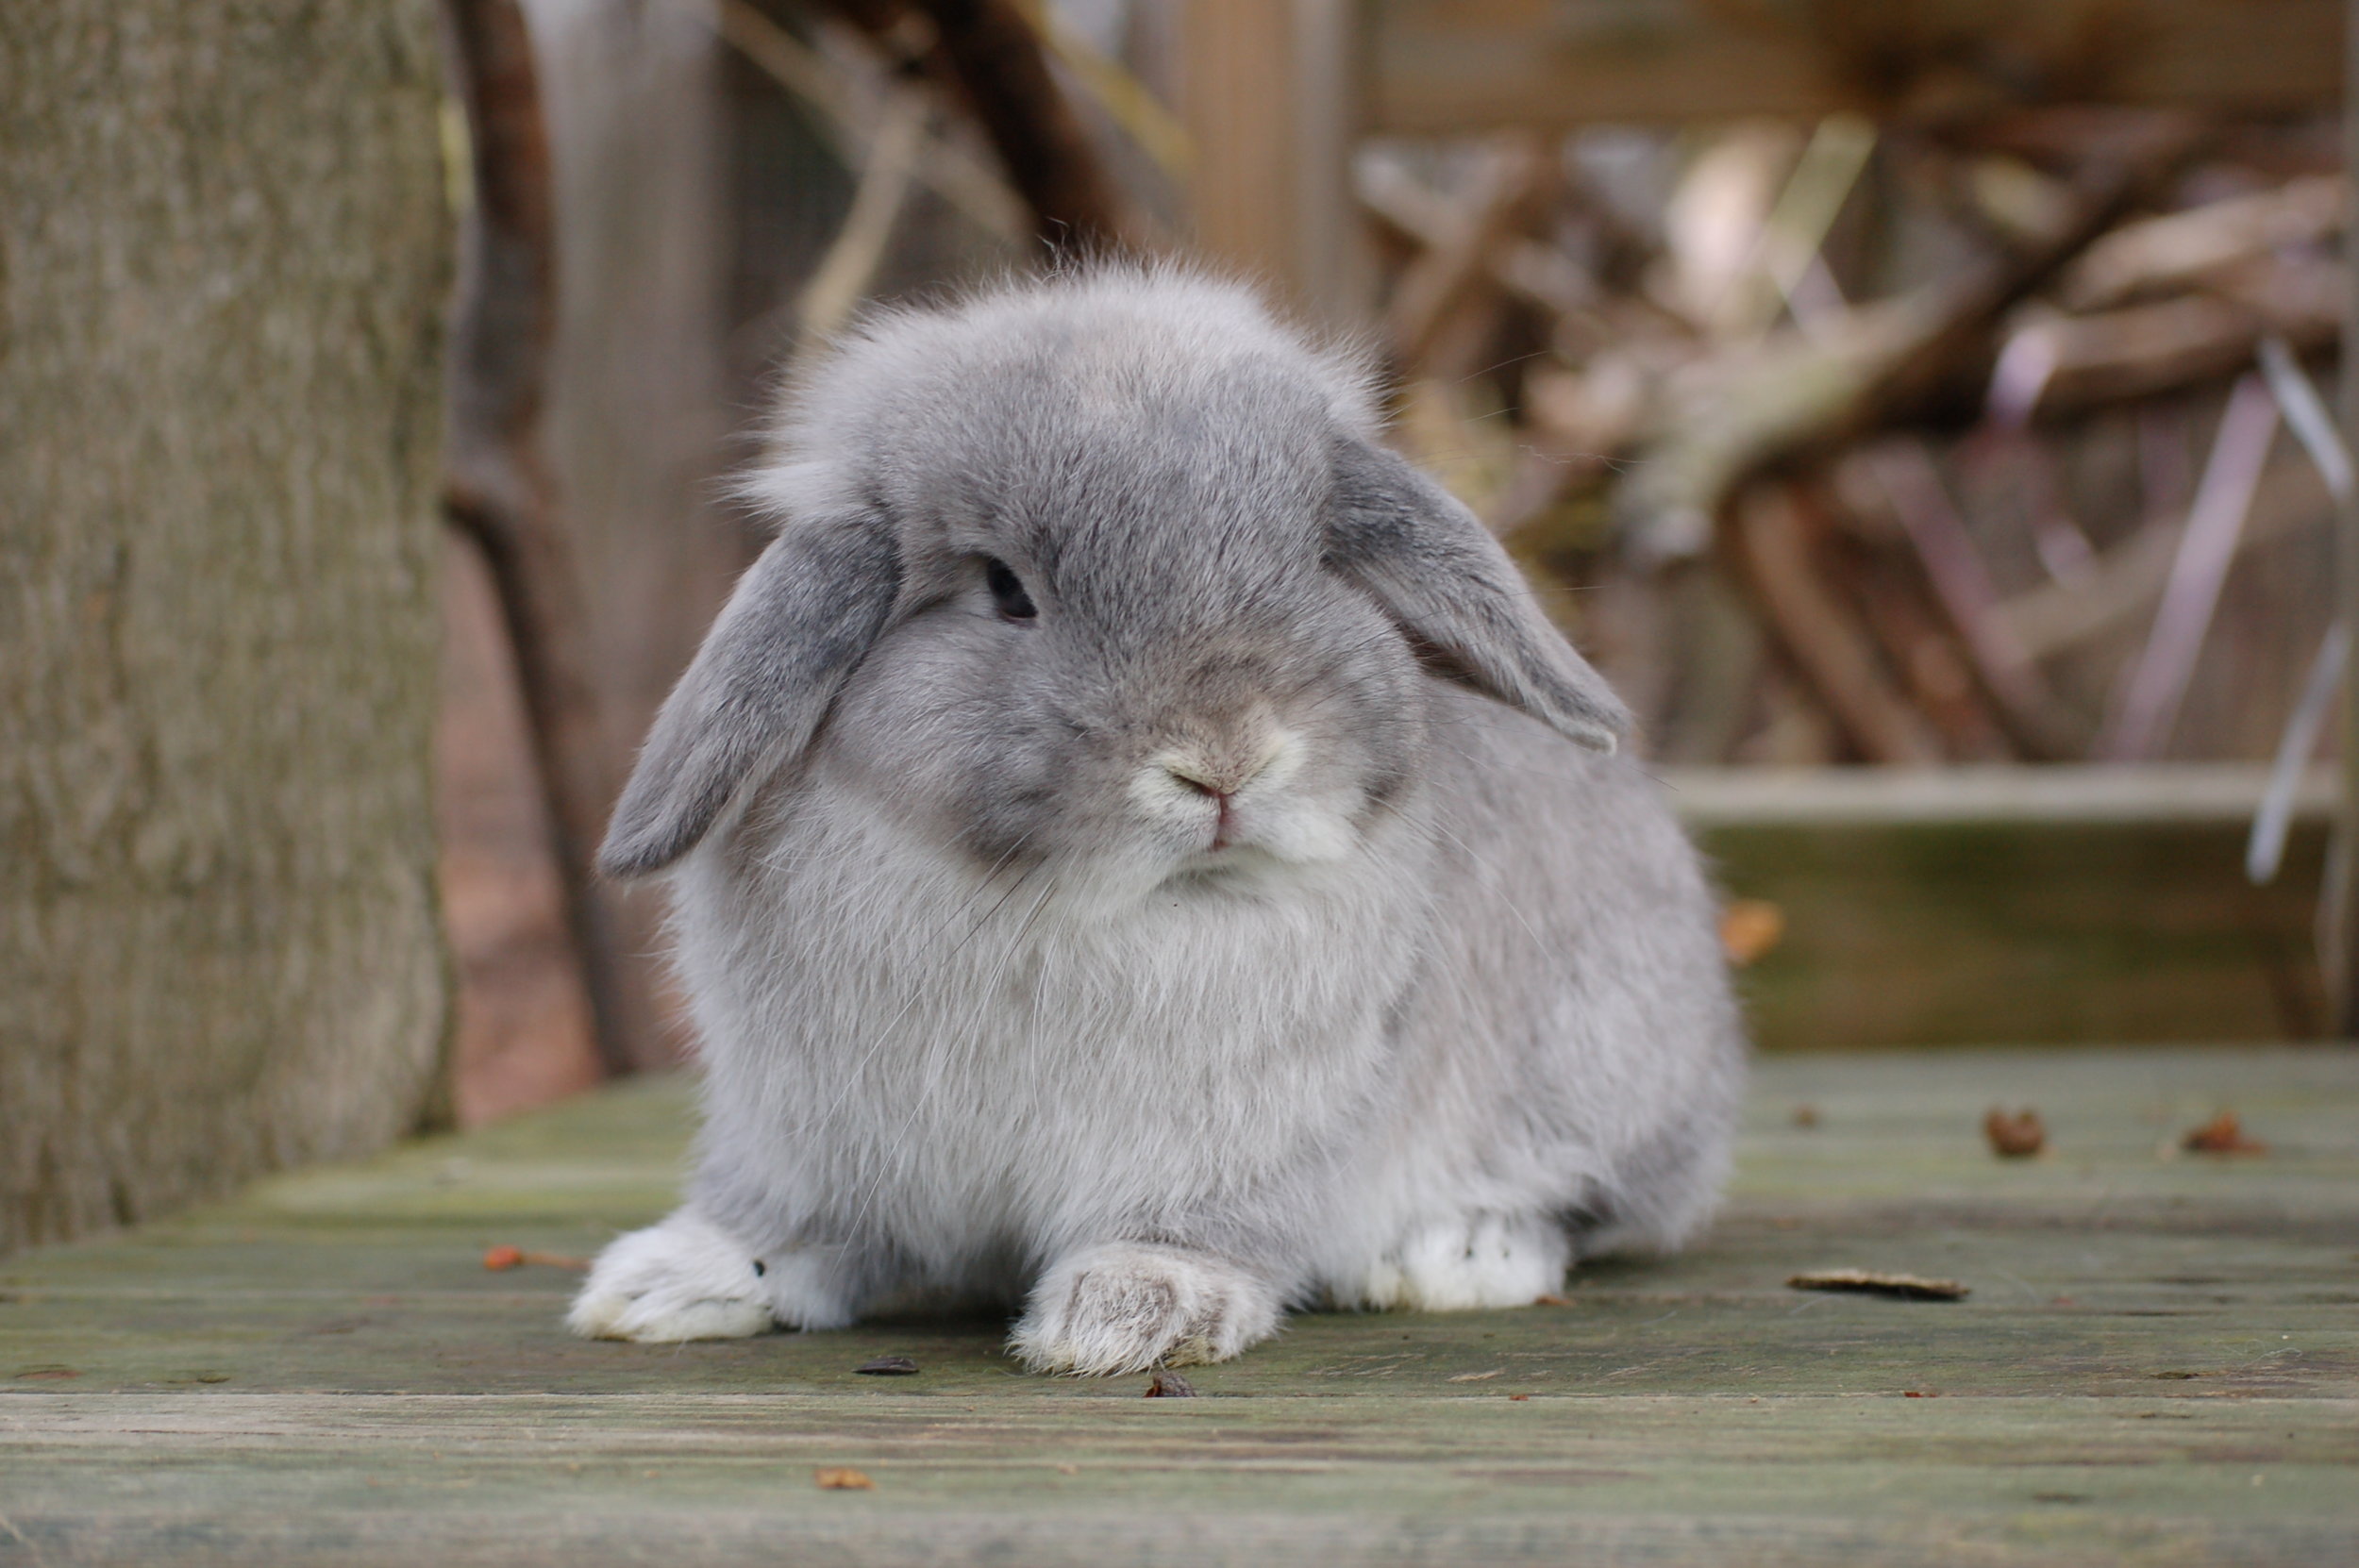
1007 591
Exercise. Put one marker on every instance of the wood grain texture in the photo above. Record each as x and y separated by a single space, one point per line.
1462 65
324 1373
1268 91
224 243
1948 932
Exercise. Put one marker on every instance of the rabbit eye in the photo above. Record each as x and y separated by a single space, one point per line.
1007 591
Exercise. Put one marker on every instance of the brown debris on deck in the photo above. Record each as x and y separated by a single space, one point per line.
323 1372
2222 1134
2016 1136
1905 1287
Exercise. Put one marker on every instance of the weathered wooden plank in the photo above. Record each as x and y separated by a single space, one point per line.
1264 90
2030 904
1440 66
1137 1481
324 1373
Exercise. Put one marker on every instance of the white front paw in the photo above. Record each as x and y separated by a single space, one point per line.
1126 1306
1475 1261
682 1280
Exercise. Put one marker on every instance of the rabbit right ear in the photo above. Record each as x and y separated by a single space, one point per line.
1453 592
801 619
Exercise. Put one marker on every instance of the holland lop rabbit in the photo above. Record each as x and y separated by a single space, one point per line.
1139 852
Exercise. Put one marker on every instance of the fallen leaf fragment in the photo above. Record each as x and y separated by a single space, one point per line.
1517 1398
1805 1116
2017 1137
1908 1286
1552 1299
843 1479
1750 928
2221 1135
887 1366
498 1259
1169 1385
1477 1377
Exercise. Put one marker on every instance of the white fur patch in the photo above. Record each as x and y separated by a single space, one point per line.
1463 1264
680 1280
1126 1307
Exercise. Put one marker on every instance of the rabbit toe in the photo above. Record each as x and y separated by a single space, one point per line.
1477 1261
682 1280
1127 1306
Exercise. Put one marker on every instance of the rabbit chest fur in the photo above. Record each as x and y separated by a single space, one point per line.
1139 855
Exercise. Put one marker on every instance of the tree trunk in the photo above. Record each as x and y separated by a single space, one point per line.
223 240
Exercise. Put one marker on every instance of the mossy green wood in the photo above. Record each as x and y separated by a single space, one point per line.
1952 933
2159 1363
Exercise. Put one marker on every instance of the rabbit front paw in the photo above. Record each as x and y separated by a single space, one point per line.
1476 1260
682 1280
1126 1306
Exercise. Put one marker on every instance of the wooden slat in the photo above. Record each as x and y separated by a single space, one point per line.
1265 92
324 1373
2047 905
1461 65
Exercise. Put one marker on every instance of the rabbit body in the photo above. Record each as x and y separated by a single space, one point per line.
1140 853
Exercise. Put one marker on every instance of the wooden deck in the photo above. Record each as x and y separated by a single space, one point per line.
2159 1363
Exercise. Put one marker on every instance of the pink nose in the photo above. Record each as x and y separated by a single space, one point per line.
1211 790
1219 775
1220 790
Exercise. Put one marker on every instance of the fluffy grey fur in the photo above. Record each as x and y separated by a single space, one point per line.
1262 920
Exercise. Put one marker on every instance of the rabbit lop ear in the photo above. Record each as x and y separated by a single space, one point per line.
1442 578
802 617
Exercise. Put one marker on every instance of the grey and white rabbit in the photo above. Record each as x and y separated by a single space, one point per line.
1138 851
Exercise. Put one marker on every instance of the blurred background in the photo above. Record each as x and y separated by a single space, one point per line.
1917 411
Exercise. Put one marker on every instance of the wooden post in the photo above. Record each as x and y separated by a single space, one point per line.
2341 937
1269 95
498 488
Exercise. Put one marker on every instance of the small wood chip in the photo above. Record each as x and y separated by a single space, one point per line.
1552 1299
1908 1286
1477 1377
887 1366
497 1259
1169 1385
1805 1116
2221 1135
843 1479
1750 928
2017 1137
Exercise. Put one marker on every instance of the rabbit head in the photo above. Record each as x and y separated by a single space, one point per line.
1109 568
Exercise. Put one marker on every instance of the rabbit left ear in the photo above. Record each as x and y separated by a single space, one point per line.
802 617
1445 581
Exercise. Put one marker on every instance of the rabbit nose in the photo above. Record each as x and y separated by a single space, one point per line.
1194 779
1223 777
